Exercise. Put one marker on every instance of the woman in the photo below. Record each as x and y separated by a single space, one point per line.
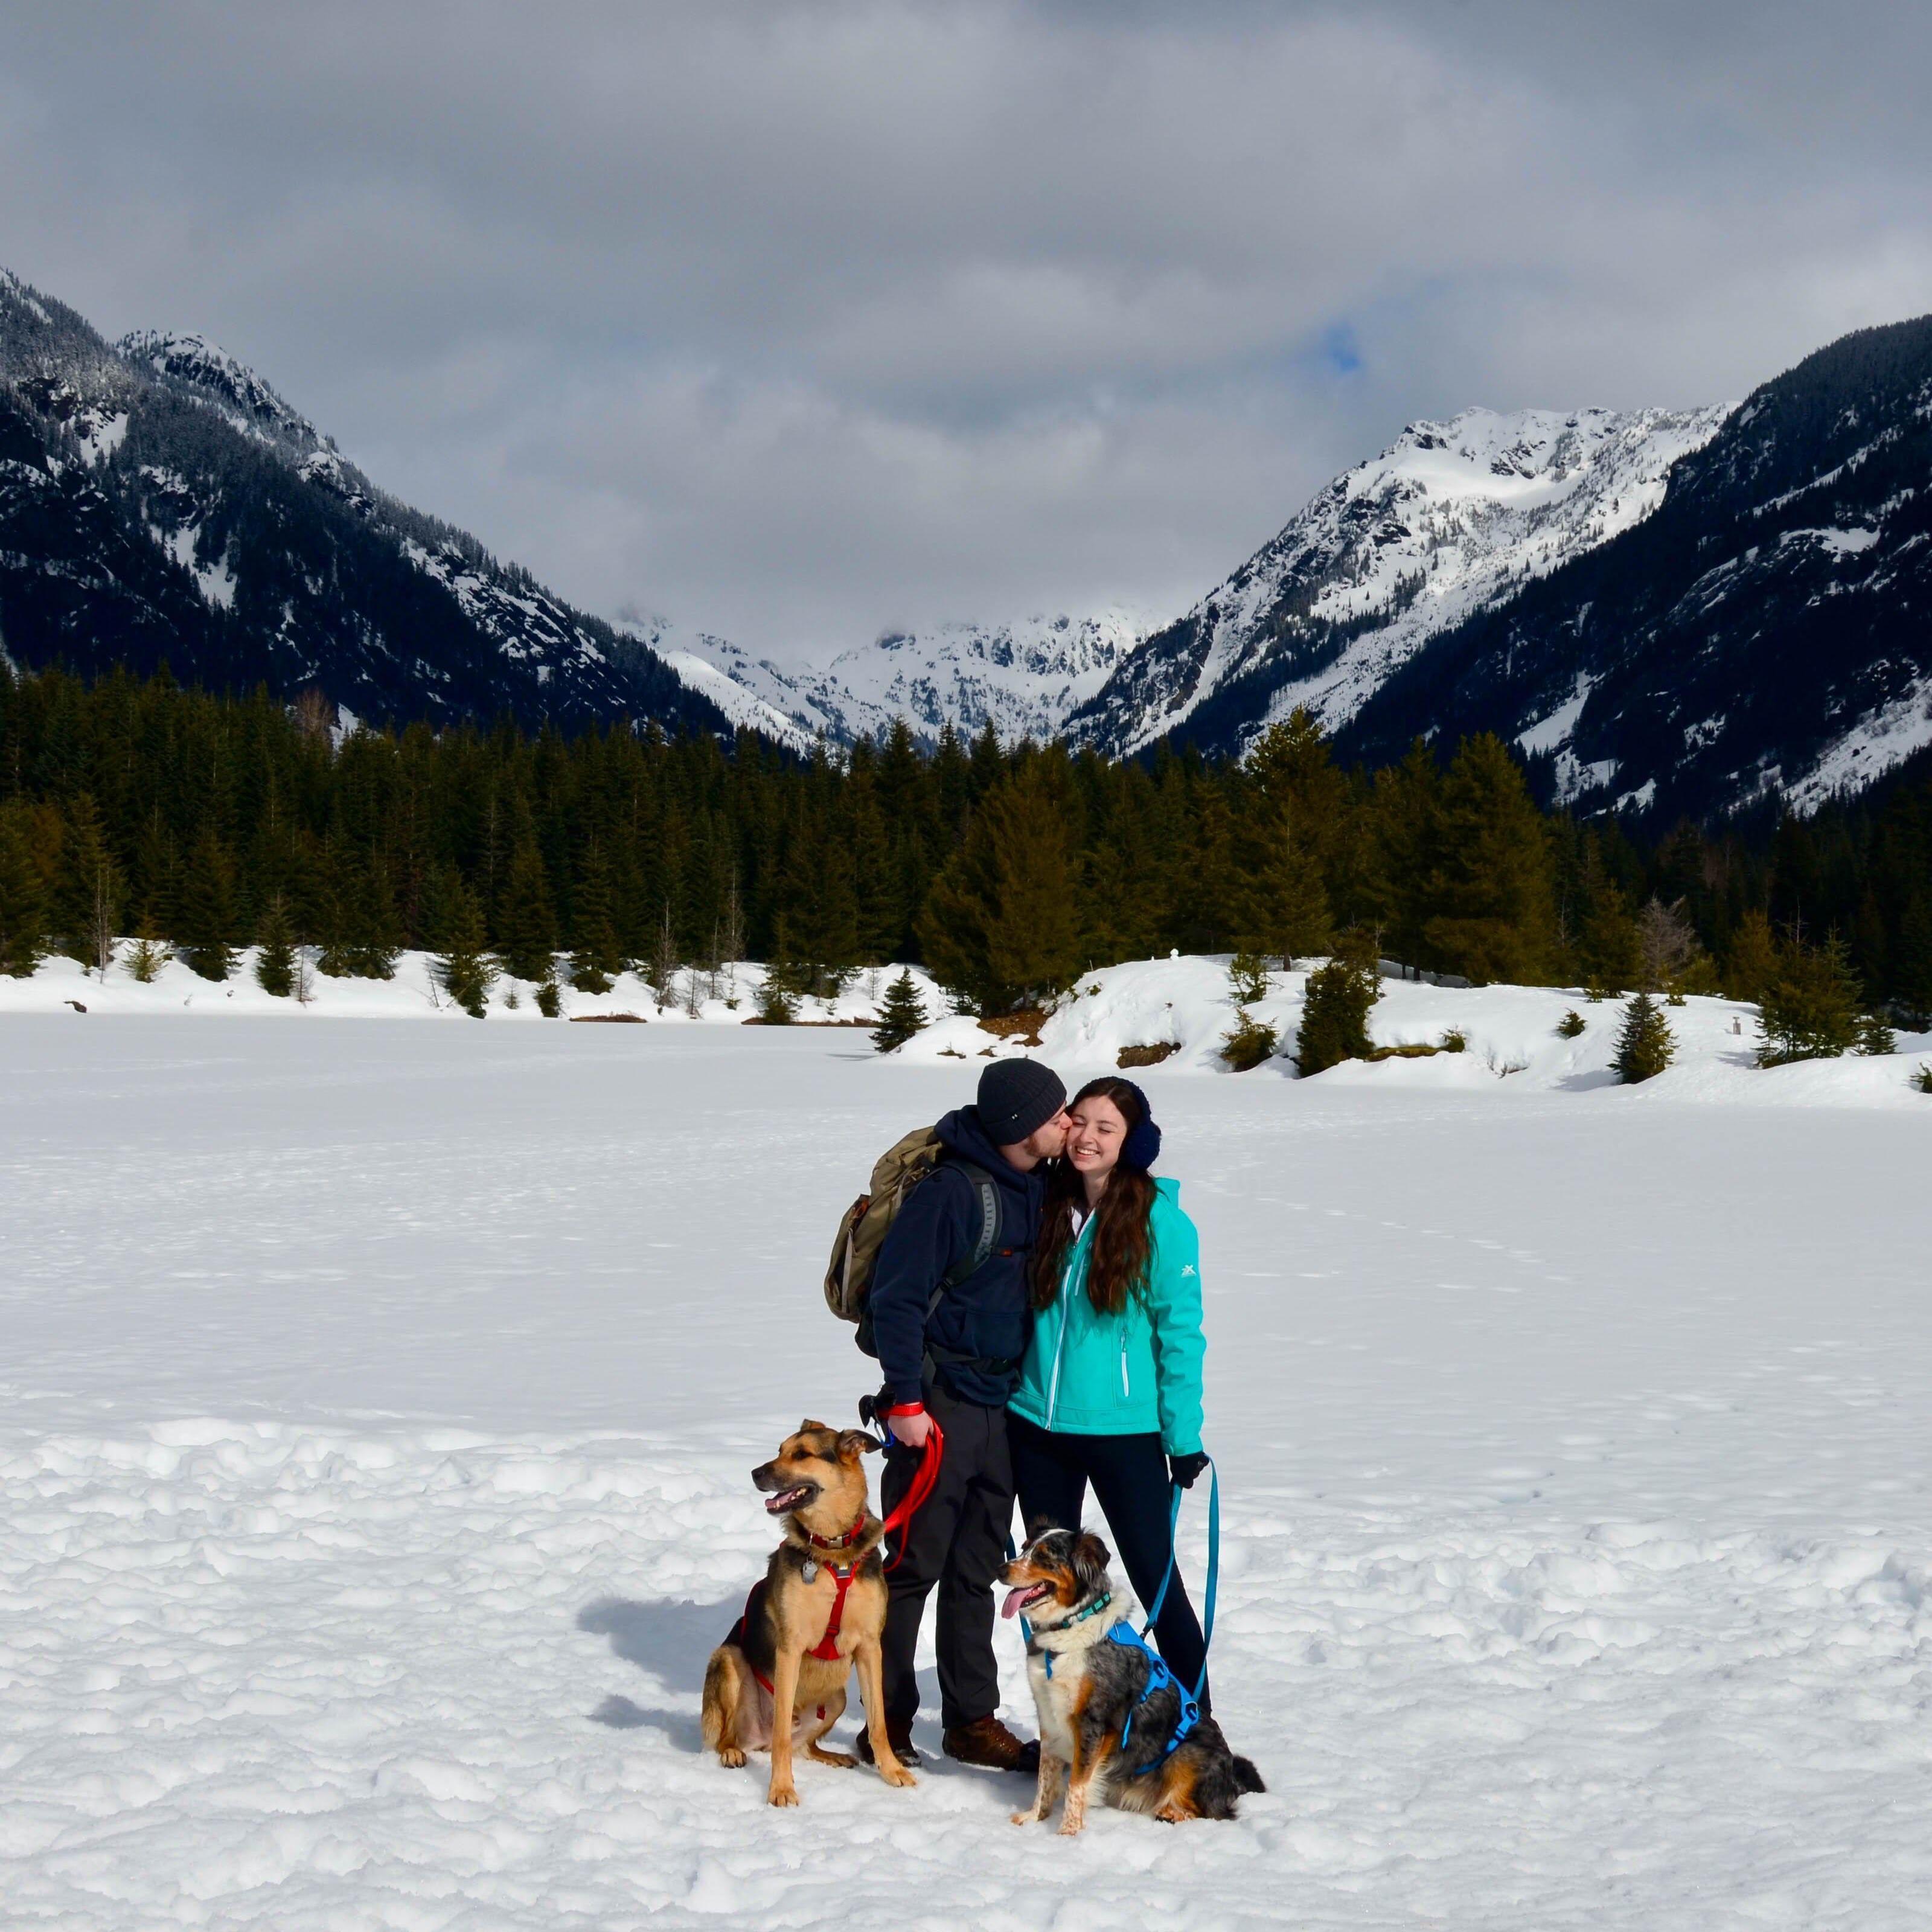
1110 1389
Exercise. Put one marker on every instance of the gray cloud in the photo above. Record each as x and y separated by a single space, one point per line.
797 321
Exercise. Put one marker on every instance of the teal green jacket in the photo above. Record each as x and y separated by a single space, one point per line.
1134 1373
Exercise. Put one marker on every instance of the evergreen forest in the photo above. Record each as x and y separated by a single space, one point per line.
205 823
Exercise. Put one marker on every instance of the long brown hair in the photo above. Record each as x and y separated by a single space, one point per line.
1123 1237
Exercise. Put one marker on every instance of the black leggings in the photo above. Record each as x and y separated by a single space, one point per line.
1130 1481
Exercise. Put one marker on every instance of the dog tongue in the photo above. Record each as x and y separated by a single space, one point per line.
1014 1599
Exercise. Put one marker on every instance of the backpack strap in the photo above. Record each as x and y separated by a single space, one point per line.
969 1264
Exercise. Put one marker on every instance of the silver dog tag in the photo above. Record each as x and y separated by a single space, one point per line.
811 1572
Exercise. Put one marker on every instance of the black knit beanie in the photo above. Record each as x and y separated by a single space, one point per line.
1016 1098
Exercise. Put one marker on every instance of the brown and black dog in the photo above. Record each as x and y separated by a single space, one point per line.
1107 1715
820 1608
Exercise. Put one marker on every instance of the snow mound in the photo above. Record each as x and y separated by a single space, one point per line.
1185 1004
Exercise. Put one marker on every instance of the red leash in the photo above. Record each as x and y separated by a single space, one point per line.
910 1504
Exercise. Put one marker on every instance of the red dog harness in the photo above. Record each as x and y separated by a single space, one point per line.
826 1648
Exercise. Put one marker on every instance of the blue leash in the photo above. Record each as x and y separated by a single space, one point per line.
1213 1566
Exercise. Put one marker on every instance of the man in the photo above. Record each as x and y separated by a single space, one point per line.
951 1354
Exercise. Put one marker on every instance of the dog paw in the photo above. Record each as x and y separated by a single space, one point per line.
1022 1818
899 1776
783 1794
1071 1829
845 1760
732 1758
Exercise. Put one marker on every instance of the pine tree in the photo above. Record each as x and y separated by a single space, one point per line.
1493 914
1751 960
1609 948
1335 1008
1672 962
1405 841
901 1016
1281 903
331 896
22 899
526 926
205 918
661 971
999 926
88 891
1645 1044
275 962
374 926
1912 959
1812 1007
778 1002
594 959
463 966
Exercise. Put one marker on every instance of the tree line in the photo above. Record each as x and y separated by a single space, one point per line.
204 823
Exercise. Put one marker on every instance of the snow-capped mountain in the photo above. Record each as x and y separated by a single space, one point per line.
1764 630
159 501
1024 679
1452 518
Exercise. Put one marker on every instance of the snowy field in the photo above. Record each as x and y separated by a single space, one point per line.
379 1401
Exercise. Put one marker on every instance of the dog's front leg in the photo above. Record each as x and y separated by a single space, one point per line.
1089 1758
1052 1775
784 1703
870 1659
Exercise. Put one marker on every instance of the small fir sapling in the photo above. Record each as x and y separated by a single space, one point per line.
1572 1025
1248 1043
777 1004
1453 1040
549 1001
1875 1038
902 1016
275 960
1922 1079
148 954
1645 1044
1248 974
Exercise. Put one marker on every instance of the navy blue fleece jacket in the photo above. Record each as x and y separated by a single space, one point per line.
986 1316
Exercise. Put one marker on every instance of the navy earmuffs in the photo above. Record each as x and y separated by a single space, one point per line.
1142 1147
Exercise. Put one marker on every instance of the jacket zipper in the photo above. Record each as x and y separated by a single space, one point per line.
1059 1340
1126 1393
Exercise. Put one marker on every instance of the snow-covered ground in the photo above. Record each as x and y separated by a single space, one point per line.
728 998
379 1402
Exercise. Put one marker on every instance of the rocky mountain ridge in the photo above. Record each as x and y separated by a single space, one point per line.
159 502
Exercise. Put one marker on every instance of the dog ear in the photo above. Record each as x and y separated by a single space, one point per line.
1090 1558
853 1443
1037 1525
806 1427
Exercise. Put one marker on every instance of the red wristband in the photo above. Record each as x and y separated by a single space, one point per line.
906 1408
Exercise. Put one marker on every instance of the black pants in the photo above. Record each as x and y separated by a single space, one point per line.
1130 1481
957 1542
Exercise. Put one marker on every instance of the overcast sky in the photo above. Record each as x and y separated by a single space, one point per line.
796 323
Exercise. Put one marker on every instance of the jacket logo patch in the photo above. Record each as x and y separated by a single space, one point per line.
1187 1269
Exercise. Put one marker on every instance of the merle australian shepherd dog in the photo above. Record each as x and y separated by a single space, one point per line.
1094 1691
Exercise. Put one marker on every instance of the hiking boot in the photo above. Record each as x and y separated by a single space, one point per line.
898 1735
987 1742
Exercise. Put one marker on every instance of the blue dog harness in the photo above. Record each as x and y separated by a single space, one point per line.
1124 1634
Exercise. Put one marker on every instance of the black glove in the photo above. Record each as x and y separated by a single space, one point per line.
1184 1469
